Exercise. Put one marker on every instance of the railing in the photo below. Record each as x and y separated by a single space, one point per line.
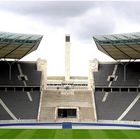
98 125
117 89
19 88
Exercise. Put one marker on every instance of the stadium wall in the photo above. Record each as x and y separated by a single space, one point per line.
42 66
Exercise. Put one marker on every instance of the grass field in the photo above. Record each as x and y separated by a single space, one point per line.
67 134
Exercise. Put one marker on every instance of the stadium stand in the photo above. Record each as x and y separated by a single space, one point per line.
114 105
30 70
4 74
111 93
132 75
20 96
18 105
3 114
105 70
134 113
19 81
117 84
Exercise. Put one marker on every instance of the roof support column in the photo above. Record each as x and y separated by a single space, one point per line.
124 73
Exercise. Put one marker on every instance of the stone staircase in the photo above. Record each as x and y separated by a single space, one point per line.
52 100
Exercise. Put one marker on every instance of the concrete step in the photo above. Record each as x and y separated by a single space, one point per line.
51 100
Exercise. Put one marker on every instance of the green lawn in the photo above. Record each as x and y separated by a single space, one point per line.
67 133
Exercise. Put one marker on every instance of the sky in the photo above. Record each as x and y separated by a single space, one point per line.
81 19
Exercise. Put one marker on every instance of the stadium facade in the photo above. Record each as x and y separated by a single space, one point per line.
109 92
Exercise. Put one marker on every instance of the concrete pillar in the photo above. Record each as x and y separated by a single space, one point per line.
42 66
67 57
93 67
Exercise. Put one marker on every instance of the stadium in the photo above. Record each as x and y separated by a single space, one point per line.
34 105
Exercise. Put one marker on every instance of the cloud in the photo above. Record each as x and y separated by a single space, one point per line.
91 23
125 9
106 18
54 9
80 18
55 13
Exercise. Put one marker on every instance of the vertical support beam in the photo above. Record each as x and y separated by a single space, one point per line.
124 69
67 57
10 72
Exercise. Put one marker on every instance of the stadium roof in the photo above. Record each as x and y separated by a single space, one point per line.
119 46
16 46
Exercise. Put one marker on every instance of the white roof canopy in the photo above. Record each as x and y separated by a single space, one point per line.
119 46
16 46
